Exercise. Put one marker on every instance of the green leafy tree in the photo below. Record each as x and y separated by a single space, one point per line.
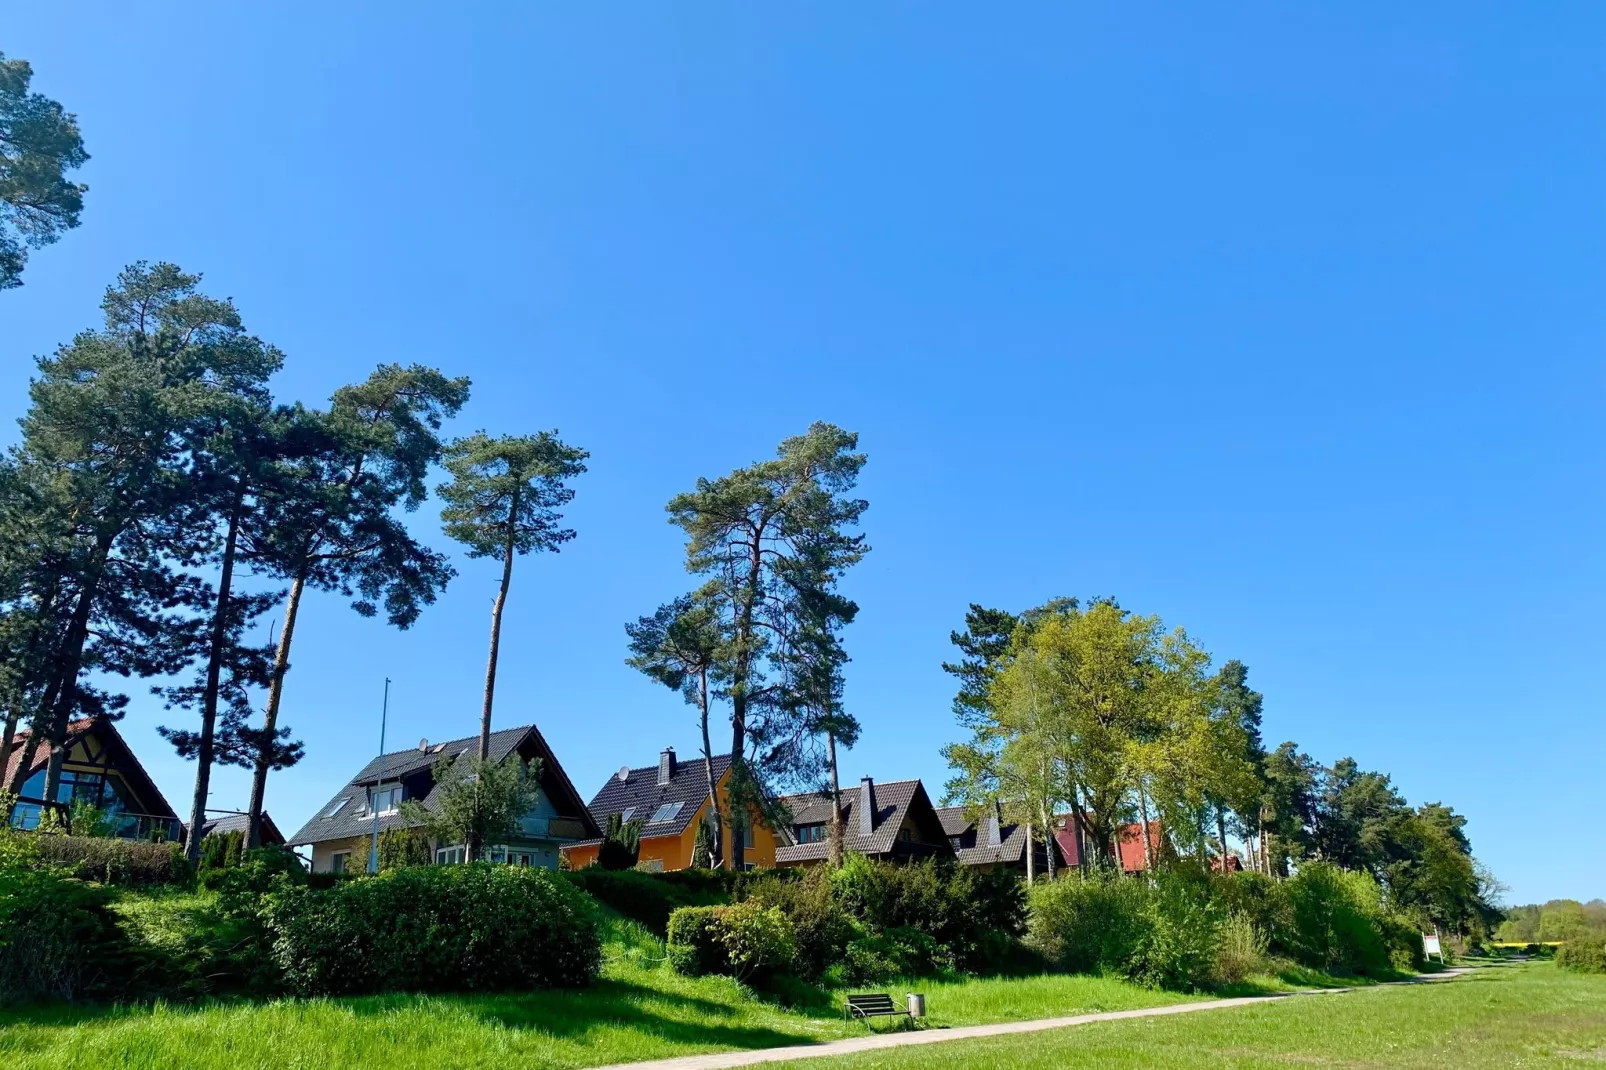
328 521
503 501
479 802
767 539
402 847
1289 807
39 144
680 646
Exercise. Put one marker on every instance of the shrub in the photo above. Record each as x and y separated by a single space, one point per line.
894 953
1583 954
759 941
1403 941
747 941
642 897
478 927
400 847
1259 899
976 915
823 930
1089 924
693 943
221 850
1240 950
1337 920
112 861
1180 935
58 938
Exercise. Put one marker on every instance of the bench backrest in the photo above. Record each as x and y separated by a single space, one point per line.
873 1003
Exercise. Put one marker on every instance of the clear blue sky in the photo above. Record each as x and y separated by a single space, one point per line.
1283 324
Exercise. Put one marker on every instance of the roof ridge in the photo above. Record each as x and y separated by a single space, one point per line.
447 743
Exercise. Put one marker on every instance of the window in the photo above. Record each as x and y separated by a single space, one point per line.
384 800
747 834
810 833
448 856
337 807
624 815
339 861
88 787
497 854
651 865
953 841
906 834
666 812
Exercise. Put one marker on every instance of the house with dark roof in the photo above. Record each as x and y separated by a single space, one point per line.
991 842
342 829
670 799
98 768
227 823
894 821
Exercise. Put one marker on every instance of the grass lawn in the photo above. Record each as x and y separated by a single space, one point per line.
1504 1016
640 1010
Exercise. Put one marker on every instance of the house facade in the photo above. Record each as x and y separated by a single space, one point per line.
341 832
1076 844
671 801
894 821
97 768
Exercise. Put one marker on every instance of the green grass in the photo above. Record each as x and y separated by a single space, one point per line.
1503 1016
640 1010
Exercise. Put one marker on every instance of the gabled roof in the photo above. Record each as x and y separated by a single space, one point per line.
345 814
895 800
237 823
127 765
641 794
973 849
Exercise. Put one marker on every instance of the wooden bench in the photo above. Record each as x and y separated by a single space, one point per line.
871 1005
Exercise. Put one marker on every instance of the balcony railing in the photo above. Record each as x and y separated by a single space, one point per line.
126 825
553 828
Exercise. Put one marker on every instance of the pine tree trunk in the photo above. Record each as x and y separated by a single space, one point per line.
1221 835
835 847
214 675
708 764
270 720
744 638
61 701
496 639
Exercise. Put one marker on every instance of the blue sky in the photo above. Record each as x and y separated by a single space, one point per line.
1281 323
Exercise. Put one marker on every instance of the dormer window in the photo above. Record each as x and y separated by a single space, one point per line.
383 801
810 833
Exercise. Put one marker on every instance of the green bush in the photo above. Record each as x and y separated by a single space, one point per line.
823 930
111 861
1337 920
643 897
1240 951
1181 935
1259 899
892 954
220 850
747 941
1089 924
58 939
479 927
976 915
693 943
1583 954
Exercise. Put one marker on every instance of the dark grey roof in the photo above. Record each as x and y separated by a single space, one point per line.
893 801
973 849
352 819
237 823
641 793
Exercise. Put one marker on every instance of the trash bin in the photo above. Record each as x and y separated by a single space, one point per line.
917 1005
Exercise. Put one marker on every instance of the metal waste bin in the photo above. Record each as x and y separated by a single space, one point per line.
917 1005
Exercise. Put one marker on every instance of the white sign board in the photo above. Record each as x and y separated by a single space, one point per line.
1430 946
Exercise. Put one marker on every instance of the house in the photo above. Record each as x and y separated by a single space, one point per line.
222 826
98 768
1075 843
893 821
671 801
341 831
992 842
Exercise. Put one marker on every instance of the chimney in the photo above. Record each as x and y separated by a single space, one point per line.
990 826
666 765
866 806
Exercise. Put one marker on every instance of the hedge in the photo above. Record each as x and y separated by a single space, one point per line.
58 938
1586 954
747 941
479 927
116 861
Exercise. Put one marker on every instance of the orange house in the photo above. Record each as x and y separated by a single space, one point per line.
671 801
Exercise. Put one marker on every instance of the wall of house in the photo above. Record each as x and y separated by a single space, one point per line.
675 852
323 854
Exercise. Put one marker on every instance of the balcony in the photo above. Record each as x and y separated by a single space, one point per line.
553 828
125 825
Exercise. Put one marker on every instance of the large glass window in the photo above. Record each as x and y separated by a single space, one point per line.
339 861
805 834
93 788
666 812
448 856
385 800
